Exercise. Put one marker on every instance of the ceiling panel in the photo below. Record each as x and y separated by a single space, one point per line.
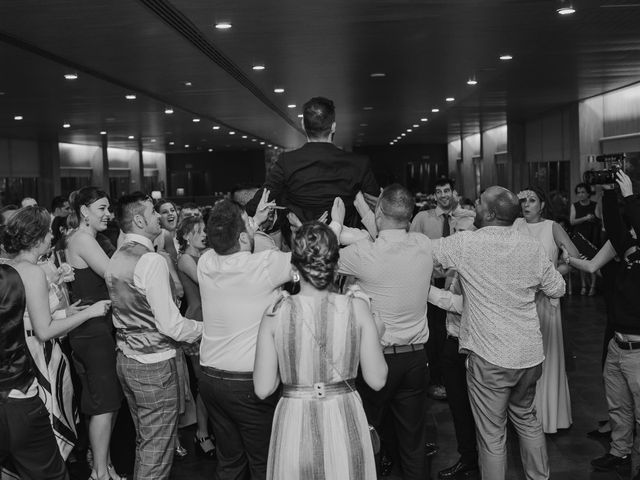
427 51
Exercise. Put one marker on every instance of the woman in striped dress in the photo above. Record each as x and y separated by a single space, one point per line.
314 341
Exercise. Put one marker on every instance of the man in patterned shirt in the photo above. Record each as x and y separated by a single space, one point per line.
500 272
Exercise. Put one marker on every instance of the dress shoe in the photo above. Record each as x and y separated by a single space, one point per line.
459 470
431 449
610 462
598 434
437 392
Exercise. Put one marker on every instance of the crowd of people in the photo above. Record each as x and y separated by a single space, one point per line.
302 325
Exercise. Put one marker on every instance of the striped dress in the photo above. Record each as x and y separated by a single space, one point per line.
319 438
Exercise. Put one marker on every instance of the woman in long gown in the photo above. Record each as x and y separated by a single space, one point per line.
314 342
26 238
552 400
93 345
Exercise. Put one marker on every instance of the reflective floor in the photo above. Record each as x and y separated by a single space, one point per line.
569 451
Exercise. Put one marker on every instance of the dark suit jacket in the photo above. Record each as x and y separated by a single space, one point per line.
308 179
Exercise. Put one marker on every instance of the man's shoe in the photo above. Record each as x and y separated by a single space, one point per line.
437 392
609 462
459 470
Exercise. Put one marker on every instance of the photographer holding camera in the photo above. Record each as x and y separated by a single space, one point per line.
622 366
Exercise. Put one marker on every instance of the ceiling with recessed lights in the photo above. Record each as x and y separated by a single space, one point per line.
213 75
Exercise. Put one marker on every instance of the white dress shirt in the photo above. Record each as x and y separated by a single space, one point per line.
151 277
395 272
236 290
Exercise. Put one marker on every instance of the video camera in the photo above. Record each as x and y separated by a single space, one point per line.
611 164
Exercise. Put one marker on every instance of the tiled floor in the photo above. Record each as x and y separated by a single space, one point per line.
569 451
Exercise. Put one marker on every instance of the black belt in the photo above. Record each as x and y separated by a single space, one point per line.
627 345
226 374
396 349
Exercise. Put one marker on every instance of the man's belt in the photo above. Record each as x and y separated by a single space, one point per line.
396 349
627 345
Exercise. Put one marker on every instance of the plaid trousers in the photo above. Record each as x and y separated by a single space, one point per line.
152 393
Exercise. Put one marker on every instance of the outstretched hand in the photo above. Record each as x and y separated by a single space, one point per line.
264 207
338 211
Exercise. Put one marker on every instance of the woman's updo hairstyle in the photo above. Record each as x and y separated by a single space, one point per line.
315 253
86 196
26 229
187 225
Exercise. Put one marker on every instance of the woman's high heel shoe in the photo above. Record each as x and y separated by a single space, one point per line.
205 446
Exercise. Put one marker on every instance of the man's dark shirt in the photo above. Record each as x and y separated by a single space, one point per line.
626 301
308 179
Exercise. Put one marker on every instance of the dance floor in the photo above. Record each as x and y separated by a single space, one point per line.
569 451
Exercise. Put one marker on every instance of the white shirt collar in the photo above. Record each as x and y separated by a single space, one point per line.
134 237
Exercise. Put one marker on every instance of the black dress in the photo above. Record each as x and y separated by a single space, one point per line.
94 349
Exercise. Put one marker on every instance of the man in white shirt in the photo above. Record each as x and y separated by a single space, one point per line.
148 324
444 220
395 271
236 287
500 272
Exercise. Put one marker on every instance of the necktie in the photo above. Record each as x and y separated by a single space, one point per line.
446 229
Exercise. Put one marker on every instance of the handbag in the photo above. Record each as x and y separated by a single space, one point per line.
375 437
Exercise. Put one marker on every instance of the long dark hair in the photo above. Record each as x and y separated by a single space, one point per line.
547 211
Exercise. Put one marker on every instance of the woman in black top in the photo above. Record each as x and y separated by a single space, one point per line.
585 222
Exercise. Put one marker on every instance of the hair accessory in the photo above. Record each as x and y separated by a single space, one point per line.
524 194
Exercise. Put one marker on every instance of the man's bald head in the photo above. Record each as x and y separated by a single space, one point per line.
498 206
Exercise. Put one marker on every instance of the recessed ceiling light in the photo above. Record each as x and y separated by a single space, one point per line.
269 145
232 132
424 119
378 75
103 132
18 117
131 96
278 90
71 76
416 125
216 127
172 143
472 81
254 140
131 137
565 7
261 143
435 110
364 124
195 120
211 149
186 146
244 136
300 115
66 125
153 140
367 108
187 84
258 67
409 130
506 57
276 147
449 99
403 134
223 25
391 143
291 105
168 110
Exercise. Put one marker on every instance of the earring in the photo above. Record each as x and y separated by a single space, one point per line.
296 276
86 220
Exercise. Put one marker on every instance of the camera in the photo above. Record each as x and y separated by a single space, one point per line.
611 164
